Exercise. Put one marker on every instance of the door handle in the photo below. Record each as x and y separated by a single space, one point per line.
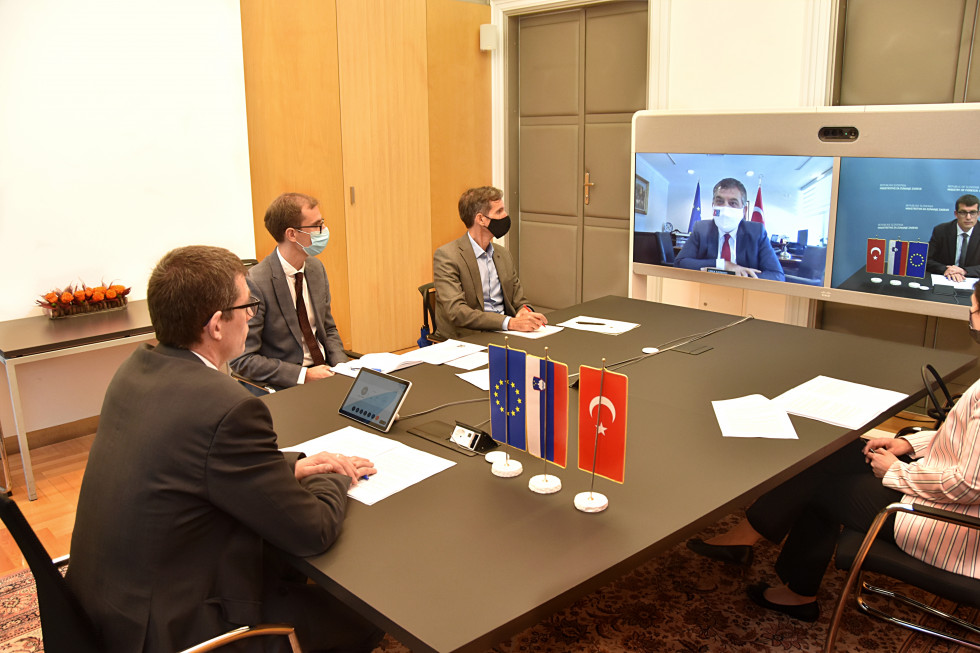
588 185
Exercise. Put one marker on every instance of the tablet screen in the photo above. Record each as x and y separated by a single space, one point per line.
375 398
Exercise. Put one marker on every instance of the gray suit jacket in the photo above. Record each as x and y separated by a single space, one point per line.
183 488
274 350
459 291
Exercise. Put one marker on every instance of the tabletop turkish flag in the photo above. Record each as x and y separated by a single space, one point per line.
602 398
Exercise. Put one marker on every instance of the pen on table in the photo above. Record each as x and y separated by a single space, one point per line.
592 323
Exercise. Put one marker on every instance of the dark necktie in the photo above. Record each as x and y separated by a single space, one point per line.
726 249
304 323
962 260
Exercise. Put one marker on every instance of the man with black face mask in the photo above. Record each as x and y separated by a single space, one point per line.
477 288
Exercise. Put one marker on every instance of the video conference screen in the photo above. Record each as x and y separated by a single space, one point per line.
749 215
897 230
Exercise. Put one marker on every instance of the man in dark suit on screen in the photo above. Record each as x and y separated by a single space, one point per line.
186 495
293 338
954 249
728 241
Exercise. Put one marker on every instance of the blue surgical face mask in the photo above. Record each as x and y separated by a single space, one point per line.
317 242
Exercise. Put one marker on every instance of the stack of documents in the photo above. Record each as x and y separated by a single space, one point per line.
842 403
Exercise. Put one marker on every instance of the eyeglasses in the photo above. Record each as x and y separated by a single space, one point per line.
967 214
250 307
313 228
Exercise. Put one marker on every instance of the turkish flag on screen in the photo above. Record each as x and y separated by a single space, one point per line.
602 422
876 256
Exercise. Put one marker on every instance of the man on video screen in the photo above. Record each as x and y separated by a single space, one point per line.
954 249
728 241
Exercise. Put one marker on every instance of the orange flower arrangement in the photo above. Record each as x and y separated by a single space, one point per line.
79 300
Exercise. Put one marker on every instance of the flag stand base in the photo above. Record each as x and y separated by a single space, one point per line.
591 502
507 469
544 484
495 457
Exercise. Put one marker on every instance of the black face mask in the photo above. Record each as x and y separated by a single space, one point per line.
499 228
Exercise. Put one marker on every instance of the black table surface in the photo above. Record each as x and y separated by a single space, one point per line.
40 334
463 560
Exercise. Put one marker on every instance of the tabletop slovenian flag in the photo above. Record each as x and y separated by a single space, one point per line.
507 395
898 257
546 383
876 256
602 399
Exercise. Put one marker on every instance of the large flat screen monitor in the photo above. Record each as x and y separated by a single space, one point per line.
849 204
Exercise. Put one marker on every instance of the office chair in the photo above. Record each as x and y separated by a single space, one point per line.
861 553
656 248
65 628
426 334
937 411
812 266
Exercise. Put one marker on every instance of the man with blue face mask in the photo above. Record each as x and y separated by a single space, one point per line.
728 241
292 338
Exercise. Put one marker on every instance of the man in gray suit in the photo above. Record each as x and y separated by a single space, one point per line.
185 487
477 288
292 339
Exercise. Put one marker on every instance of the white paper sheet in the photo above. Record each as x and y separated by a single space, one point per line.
598 325
380 362
753 416
471 362
399 466
940 280
443 352
479 378
842 403
540 332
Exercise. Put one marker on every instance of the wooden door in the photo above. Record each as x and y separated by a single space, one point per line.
582 76
385 142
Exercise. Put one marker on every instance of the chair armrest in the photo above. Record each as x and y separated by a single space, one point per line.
252 384
931 512
353 355
245 632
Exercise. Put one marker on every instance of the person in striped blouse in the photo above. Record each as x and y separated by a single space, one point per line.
933 468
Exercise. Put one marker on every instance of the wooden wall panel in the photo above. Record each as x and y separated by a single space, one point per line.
384 103
292 100
459 110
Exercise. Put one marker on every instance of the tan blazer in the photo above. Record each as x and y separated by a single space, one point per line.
459 290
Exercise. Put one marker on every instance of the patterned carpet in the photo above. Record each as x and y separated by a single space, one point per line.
677 602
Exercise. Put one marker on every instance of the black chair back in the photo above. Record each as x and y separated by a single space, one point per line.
428 330
65 628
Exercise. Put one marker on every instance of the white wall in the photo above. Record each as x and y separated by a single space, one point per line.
122 124
736 54
122 135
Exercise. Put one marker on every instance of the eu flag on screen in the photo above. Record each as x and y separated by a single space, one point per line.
547 409
696 208
508 400
918 253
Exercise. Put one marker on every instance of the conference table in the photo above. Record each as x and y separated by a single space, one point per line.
464 559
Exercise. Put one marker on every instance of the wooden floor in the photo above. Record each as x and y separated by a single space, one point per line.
58 470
